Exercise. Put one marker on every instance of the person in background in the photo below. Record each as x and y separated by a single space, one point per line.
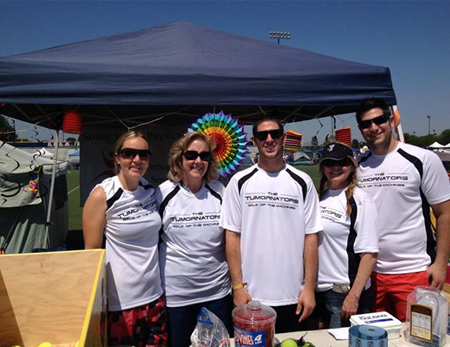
271 216
405 181
192 252
348 244
123 209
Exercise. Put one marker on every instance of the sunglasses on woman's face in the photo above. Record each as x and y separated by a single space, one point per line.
340 163
192 155
131 153
274 134
366 124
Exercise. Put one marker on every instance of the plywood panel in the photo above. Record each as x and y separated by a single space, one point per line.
45 296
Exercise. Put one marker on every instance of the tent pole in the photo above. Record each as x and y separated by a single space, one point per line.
52 188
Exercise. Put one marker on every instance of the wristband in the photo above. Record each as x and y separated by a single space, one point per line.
238 286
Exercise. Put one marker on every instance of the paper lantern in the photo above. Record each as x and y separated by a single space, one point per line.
72 122
344 135
396 117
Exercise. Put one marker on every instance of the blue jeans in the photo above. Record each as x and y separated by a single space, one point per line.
182 320
329 304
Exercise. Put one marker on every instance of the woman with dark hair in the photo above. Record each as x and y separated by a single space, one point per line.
192 253
123 209
348 244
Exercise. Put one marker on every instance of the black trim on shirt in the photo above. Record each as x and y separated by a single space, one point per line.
246 178
431 240
353 258
300 181
114 198
363 159
214 193
166 200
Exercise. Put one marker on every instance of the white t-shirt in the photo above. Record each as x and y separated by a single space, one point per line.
394 181
132 234
334 255
273 212
192 252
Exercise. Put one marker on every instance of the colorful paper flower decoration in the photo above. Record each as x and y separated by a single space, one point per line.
229 136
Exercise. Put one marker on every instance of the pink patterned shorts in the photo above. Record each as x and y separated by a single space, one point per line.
144 326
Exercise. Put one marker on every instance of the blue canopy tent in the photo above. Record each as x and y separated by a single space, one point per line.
171 75
182 71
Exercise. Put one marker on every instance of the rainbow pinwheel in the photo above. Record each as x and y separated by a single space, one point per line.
229 136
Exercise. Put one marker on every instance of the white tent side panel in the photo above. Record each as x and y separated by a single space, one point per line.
24 194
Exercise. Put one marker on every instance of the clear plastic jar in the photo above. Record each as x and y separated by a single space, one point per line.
254 325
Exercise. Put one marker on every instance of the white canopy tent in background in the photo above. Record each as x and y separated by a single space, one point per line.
436 145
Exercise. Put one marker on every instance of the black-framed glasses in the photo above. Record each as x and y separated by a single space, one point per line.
340 163
192 155
274 134
366 124
130 153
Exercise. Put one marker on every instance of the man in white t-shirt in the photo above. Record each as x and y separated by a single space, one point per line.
405 181
271 216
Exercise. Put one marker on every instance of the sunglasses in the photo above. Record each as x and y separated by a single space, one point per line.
192 155
366 124
340 163
274 134
130 153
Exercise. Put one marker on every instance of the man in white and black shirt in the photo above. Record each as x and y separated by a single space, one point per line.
271 216
405 181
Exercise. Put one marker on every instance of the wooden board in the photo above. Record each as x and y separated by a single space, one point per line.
47 296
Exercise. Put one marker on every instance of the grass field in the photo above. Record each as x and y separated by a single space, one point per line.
313 171
73 187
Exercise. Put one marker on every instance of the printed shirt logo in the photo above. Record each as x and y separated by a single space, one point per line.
196 220
330 213
383 180
138 211
272 199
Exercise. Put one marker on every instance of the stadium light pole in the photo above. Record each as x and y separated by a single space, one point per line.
280 35
429 127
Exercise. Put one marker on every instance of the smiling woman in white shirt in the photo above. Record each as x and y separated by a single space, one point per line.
123 210
192 251
348 244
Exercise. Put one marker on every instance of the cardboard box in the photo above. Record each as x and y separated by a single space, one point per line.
56 297
381 319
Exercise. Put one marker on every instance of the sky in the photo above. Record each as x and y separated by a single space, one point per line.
412 38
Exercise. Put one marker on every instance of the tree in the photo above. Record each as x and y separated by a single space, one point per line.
7 132
444 137
427 140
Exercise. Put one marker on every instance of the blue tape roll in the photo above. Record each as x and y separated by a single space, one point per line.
367 336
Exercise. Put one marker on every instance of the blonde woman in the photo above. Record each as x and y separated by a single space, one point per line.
348 244
123 209
192 253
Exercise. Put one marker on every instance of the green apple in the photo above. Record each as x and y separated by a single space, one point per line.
45 344
289 343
